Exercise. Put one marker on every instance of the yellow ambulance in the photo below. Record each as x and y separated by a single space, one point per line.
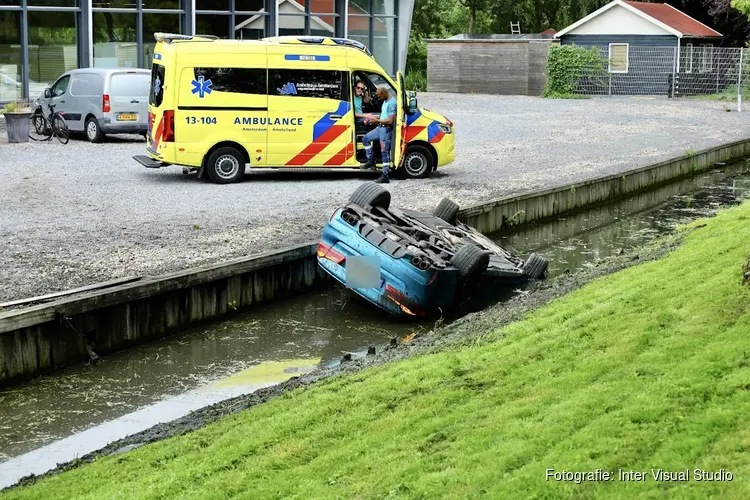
217 106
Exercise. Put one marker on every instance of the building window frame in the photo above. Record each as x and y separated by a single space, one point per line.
689 57
23 10
139 11
371 17
627 57
707 57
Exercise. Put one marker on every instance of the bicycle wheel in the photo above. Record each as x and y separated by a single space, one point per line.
40 129
61 129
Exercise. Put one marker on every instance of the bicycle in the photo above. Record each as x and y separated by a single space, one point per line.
53 125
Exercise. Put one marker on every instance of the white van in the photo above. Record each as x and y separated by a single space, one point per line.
100 101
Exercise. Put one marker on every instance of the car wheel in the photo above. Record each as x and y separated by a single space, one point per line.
372 195
471 261
417 162
226 165
446 210
93 131
535 266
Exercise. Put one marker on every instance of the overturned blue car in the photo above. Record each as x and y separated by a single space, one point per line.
414 264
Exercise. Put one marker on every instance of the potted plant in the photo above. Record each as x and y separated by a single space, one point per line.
17 121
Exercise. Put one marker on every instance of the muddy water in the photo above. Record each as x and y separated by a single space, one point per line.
158 382
78 410
580 240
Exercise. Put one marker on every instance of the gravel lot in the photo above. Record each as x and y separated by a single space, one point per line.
83 213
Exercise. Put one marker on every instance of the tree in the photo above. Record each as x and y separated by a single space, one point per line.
725 16
474 6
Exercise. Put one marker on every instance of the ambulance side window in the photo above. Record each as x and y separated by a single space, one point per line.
318 83
236 80
155 95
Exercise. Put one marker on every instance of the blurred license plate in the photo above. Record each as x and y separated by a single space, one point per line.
127 118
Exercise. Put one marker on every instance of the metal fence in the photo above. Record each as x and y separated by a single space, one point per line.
700 71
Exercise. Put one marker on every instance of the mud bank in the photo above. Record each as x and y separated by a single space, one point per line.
461 331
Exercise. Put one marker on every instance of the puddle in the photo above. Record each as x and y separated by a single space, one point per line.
74 411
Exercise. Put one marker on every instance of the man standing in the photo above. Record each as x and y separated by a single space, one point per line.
383 132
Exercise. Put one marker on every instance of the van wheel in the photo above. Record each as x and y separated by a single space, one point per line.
226 165
93 131
417 162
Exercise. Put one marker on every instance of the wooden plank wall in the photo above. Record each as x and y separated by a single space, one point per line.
507 68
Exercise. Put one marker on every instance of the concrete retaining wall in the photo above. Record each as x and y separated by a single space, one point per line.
539 205
46 337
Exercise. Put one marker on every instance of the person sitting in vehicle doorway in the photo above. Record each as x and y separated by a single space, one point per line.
361 96
383 132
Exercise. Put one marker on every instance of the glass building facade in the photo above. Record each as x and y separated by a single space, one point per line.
41 39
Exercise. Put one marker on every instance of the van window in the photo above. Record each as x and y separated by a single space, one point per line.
129 84
373 80
308 83
237 80
61 86
87 85
155 94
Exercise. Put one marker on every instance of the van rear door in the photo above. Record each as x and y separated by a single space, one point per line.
128 97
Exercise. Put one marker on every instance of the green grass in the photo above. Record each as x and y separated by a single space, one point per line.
646 368
728 94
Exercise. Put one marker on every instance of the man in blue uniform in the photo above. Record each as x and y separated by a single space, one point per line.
383 132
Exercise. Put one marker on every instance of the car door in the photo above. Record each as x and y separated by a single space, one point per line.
77 102
310 116
399 131
60 97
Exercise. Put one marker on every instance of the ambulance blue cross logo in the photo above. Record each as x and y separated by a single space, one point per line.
202 87
157 86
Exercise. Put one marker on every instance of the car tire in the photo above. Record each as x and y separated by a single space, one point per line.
446 210
535 266
93 130
372 195
225 166
471 261
418 162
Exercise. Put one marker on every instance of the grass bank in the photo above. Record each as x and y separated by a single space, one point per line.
648 368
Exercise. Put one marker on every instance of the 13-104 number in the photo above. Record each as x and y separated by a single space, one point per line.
192 120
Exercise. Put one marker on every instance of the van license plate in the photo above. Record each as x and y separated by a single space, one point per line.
127 118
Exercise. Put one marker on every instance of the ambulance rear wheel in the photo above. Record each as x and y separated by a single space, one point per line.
225 165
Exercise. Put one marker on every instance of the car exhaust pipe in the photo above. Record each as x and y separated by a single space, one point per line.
420 264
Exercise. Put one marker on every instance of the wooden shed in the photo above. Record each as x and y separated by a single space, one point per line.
489 64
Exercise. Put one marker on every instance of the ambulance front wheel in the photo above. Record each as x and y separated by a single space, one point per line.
417 162
225 165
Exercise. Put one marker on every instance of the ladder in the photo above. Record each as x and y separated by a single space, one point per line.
515 28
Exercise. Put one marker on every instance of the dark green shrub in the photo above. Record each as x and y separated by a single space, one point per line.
567 65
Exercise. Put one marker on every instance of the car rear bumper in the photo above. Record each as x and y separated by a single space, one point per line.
381 297
403 291
111 127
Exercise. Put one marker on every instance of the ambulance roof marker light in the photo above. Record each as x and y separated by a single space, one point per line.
170 37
